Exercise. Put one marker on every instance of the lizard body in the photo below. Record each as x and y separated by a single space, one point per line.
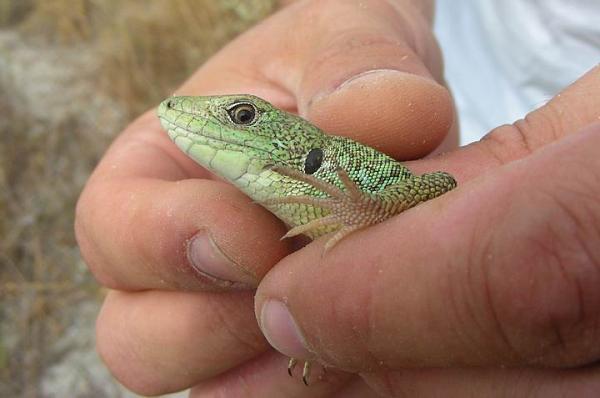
316 183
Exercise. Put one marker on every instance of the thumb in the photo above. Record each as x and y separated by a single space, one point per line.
501 271
370 70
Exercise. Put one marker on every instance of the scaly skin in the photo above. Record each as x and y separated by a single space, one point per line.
266 160
316 183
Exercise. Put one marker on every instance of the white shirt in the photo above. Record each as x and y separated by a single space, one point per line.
505 58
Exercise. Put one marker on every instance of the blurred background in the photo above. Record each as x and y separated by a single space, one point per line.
73 73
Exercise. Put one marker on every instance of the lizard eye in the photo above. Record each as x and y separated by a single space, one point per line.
242 113
313 160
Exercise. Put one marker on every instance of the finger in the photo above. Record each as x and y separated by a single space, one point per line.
489 382
358 388
266 376
574 108
370 70
158 342
138 227
500 271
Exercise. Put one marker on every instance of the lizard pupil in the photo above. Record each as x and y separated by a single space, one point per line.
242 114
313 161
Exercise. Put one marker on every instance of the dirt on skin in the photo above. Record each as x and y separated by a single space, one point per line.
73 73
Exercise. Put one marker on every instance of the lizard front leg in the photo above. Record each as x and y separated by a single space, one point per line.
353 209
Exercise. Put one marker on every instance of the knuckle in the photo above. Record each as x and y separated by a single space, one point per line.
88 243
540 127
355 41
357 35
322 5
507 142
523 137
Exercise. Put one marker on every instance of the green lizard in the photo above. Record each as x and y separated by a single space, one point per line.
316 183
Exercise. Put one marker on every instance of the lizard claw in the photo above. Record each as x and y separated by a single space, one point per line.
306 373
291 365
305 369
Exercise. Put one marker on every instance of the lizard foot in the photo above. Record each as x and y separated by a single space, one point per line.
350 208
305 369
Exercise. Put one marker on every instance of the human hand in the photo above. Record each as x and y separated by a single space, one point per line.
181 250
490 290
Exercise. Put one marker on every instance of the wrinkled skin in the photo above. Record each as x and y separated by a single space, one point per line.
490 290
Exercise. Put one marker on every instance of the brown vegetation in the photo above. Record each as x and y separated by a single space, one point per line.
72 74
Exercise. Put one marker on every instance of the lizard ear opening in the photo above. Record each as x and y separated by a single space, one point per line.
313 161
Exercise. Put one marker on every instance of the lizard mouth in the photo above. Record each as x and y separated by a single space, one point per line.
184 138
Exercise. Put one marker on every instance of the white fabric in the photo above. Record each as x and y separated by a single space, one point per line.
505 58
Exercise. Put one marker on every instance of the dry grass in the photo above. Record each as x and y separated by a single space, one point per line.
72 74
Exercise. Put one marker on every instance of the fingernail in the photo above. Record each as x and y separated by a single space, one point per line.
208 259
365 79
281 330
370 76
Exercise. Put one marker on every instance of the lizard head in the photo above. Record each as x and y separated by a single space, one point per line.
237 134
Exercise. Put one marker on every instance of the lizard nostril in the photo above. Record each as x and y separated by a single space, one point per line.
169 104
